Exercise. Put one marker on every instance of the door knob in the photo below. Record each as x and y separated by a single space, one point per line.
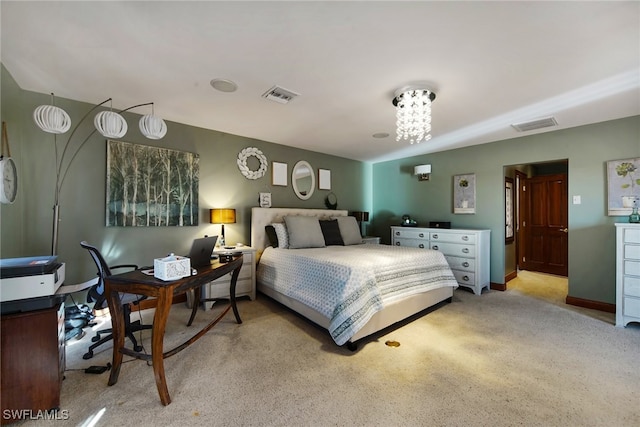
566 230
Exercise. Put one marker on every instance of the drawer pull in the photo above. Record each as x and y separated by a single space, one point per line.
397 243
465 250
434 247
465 238
435 236
421 246
465 264
421 234
465 278
397 233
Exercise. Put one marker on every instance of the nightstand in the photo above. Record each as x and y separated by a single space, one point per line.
246 284
371 240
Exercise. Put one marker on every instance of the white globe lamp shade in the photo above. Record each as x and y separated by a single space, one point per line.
153 127
52 119
110 124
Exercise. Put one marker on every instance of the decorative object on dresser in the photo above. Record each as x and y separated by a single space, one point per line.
467 251
222 217
361 217
408 222
627 274
464 194
423 172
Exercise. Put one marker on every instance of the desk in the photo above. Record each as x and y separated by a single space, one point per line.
136 282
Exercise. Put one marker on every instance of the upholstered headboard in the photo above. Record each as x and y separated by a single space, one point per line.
261 217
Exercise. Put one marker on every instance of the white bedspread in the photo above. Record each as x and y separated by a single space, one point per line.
348 284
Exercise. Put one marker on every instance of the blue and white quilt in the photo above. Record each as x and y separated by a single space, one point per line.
349 284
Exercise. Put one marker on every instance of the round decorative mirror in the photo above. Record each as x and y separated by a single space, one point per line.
303 180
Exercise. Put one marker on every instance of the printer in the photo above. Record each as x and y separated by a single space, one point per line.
30 283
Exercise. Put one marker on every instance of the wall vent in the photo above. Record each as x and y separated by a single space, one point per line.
279 94
535 124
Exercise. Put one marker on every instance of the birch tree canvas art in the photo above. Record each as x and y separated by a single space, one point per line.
150 186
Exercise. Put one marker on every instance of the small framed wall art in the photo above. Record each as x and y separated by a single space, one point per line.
623 186
279 174
464 194
324 179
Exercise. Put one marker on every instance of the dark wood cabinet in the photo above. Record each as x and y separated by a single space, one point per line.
33 362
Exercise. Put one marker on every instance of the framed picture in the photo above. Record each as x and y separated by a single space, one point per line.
464 194
623 186
324 179
265 200
508 206
279 174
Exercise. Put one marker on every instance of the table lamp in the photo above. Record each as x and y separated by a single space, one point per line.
222 216
361 217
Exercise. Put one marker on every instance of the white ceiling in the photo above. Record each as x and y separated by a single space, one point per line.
491 64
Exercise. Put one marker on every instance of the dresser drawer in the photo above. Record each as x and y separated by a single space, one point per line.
632 252
631 286
413 243
411 234
465 264
631 235
631 267
632 307
464 277
454 249
453 237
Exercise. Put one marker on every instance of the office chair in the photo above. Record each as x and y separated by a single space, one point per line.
96 294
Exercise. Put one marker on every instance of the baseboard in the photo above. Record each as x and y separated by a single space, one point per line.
510 276
594 305
498 286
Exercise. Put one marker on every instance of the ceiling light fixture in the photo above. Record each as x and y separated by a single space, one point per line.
223 85
413 113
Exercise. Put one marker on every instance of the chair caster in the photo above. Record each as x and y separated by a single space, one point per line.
137 348
95 338
87 355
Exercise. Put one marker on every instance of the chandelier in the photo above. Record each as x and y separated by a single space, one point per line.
413 114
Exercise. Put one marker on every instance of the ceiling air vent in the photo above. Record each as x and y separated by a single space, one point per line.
535 124
279 94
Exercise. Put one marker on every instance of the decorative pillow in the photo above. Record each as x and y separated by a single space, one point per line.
349 230
304 232
331 232
281 234
271 235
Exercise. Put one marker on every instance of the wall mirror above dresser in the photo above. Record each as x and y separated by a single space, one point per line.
303 180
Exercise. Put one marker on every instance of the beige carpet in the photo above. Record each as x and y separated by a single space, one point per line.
500 359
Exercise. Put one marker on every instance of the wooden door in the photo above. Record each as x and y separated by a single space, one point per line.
545 224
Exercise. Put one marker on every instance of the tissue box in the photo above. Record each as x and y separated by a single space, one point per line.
171 267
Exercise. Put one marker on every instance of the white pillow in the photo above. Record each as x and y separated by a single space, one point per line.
349 230
283 236
304 232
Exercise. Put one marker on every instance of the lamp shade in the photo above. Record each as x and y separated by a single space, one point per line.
52 119
361 216
110 124
421 169
222 216
153 127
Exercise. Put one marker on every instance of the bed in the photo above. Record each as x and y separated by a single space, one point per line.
352 290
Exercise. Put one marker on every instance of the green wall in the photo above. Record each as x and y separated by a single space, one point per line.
591 231
26 225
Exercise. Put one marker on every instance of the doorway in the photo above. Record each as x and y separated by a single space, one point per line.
540 243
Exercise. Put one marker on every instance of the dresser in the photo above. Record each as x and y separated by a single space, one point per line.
246 284
627 274
466 251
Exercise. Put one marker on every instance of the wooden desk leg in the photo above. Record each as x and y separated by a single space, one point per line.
160 317
232 293
117 326
197 294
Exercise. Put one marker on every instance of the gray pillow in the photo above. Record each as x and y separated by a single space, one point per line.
304 232
349 230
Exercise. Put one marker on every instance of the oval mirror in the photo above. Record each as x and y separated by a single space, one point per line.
303 180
